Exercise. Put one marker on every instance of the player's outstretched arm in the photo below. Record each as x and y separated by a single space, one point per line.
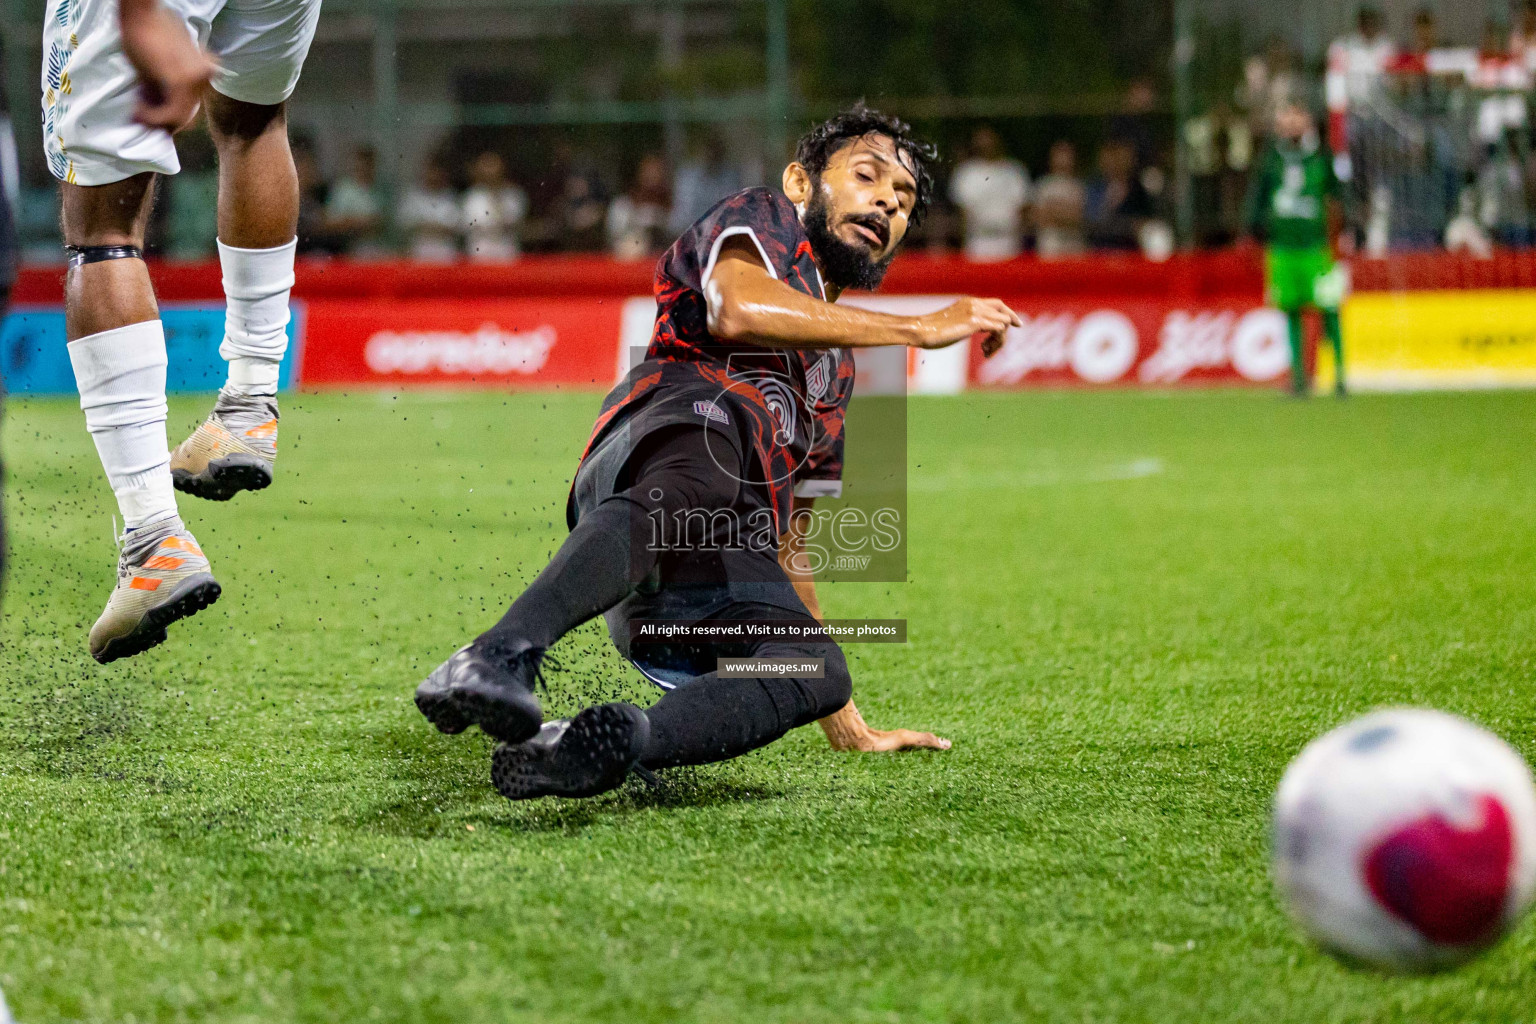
749 306
172 69
845 729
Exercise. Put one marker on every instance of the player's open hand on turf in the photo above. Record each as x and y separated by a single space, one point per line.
847 730
967 318
173 70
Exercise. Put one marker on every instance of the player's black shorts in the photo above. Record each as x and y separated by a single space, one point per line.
660 394
737 574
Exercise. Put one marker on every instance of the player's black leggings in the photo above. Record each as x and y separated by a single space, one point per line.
712 719
708 719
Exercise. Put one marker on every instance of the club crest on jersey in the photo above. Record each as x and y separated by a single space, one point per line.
711 411
783 403
816 380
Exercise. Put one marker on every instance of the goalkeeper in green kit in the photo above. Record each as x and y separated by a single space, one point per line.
1295 205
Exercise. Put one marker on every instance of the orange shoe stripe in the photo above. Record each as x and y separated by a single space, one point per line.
164 562
177 544
144 583
267 429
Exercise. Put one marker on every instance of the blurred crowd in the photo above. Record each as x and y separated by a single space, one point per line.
992 208
1119 205
468 205
1434 137
477 212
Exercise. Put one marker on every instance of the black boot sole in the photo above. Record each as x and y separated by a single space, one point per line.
471 689
224 478
198 593
511 718
501 712
438 708
594 756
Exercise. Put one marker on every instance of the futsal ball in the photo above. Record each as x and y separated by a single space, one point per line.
1406 839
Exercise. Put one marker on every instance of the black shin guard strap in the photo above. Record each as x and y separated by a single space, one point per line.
80 255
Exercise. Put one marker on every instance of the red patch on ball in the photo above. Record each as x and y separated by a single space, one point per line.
1449 883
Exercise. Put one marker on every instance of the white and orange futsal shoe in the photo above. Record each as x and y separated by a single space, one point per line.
162 576
232 451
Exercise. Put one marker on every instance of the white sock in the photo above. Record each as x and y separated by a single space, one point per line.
256 287
121 377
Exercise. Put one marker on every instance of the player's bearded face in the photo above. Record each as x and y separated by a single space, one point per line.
844 264
857 213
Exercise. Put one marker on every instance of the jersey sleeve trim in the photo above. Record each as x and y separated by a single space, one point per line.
818 488
731 232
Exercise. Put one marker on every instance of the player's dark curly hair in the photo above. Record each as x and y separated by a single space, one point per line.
816 147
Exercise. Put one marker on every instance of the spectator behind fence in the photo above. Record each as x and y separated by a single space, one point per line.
1060 201
702 180
1426 35
1431 66
1269 81
193 198
1133 125
1357 63
580 212
992 191
637 220
491 212
1118 204
315 237
1501 115
430 216
1360 138
1429 76
1220 149
1522 38
353 212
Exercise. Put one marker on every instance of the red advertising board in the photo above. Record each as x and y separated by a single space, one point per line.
1106 340
1147 342
1100 320
533 342
550 342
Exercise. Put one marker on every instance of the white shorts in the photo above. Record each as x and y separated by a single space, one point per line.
90 89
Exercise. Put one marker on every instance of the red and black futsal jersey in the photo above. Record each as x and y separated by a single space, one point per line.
783 408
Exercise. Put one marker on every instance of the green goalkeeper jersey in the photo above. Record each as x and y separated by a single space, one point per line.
1289 193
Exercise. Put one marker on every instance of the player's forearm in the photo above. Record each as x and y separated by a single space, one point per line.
758 310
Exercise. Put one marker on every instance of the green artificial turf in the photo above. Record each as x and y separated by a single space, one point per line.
1128 611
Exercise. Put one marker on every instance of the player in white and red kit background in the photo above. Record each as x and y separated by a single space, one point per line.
1357 66
118 77
1357 134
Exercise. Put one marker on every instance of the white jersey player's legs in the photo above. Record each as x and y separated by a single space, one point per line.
121 377
256 287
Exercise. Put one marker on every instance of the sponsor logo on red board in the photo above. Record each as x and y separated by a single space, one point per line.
488 349
489 343
1137 343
